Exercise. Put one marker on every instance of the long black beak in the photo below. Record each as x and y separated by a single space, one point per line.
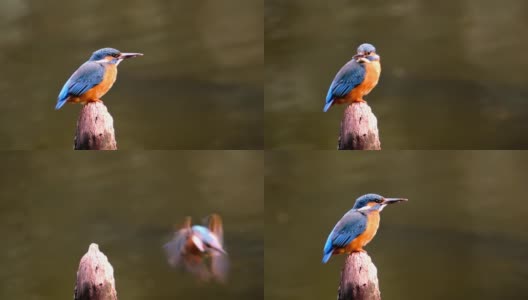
393 200
129 55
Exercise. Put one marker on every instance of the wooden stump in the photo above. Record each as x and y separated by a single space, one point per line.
359 128
359 278
95 277
95 128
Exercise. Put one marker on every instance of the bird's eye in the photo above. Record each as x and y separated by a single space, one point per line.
368 53
115 55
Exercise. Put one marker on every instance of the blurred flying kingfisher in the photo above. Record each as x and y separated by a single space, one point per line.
200 249
94 78
356 78
358 226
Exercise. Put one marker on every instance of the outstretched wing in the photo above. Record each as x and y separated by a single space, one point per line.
351 75
186 224
352 224
214 223
219 263
175 249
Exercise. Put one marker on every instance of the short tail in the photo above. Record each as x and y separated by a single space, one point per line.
60 103
328 105
326 257
63 96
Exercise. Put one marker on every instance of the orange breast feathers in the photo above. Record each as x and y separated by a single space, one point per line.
372 74
108 80
370 231
98 91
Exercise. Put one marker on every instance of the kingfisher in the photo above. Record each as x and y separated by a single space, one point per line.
199 249
358 226
356 78
94 78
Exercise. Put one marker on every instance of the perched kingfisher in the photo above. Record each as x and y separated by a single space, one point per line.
356 78
358 226
194 246
94 78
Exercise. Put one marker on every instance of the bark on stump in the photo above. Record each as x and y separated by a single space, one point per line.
359 278
95 128
359 128
95 277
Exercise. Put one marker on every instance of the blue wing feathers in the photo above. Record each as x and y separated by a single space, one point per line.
328 249
79 88
328 245
326 257
346 230
351 75
63 95
329 98
342 239
87 76
328 105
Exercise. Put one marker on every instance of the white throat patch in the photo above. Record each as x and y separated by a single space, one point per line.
365 208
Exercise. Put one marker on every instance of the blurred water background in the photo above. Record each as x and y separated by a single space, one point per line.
453 72
199 85
462 235
53 205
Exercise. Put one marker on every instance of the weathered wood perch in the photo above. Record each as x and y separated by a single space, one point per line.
359 278
95 277
359 128
95 128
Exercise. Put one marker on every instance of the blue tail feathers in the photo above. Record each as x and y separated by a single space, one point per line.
326 257
63 95
60 103
328 105
328 249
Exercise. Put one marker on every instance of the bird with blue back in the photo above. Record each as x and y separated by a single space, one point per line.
358 226
356 78
200 249
94 78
